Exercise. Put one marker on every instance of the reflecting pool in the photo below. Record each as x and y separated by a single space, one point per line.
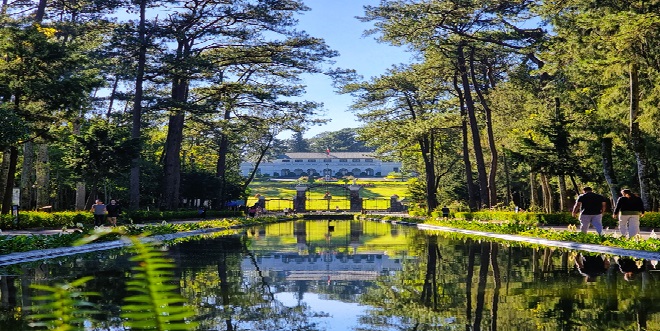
354 275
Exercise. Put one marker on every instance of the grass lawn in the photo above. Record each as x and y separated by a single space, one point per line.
371 189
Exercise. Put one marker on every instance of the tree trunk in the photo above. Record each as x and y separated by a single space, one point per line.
608 167
548 199
484 258
172 166
41 11
172 159
576 188
507 178
636 139
429 289
27 176
4 172
472 197
533 194
468 282
262 155
494 249
43 176
136 130
11 176
221 165
426 147
474 127
225 290
3 10
492 187
113 95
80 196
564 203
91 198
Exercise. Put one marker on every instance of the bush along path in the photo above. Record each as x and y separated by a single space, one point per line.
562 232
13 249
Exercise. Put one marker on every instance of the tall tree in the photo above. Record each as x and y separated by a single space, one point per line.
211 36
39 78
452 28
344 140
402 110
298 143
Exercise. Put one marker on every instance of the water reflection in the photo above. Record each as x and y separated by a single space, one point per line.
343 275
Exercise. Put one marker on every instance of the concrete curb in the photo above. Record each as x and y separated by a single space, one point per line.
553 243
22 257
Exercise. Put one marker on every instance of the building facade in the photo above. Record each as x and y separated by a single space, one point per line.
357 164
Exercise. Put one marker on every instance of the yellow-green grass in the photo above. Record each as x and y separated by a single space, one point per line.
375 237
376 193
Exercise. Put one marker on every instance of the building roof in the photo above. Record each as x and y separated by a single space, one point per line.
335 155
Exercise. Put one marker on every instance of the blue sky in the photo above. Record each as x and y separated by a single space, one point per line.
335 22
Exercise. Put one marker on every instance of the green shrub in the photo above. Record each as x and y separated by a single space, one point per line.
520 217
650 220
38 220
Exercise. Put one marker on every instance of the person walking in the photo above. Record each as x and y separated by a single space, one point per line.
629 208
99 211
445 212
591 207
113 212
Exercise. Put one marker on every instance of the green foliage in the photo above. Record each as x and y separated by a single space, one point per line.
344 140
298 144
199 184
12 127
38 220
102 150
522 217
154 304
63 307
68 219
13 244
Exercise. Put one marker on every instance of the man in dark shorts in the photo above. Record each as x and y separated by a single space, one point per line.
591 207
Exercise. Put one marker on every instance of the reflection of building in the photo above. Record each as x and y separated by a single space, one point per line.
356 164
324 250
339 266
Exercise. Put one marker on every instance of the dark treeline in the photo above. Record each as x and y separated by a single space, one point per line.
156 103
151 102
518 103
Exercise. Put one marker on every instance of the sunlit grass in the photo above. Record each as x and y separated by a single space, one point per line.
375 193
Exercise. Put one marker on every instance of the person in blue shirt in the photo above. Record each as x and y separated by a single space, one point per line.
99 211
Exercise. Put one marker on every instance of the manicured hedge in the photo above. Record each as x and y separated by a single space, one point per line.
58 220
521 217
650 220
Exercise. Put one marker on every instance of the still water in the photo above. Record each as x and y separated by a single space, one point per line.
351 275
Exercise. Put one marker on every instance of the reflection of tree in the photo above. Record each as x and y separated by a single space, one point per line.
412 299
240 301
481 287
464 290
429 297
441 286
494 248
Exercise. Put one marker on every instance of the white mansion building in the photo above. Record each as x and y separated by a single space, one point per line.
358 164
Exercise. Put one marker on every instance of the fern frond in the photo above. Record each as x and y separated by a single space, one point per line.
62 307
154 304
